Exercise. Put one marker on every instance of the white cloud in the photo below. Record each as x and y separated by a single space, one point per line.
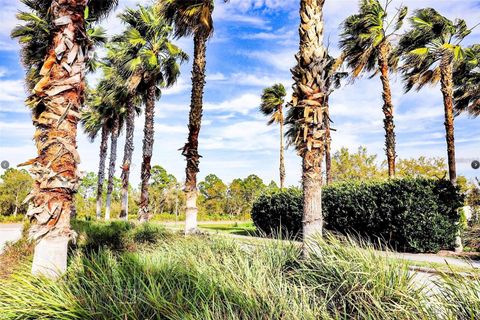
242 104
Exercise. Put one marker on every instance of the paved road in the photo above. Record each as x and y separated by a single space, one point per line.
9 232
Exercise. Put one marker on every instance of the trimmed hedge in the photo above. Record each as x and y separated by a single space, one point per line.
413 215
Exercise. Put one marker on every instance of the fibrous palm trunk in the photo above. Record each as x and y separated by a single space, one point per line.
328 143
148 131
101 169
111 167
127 158
387 109
446 71
282 157
309 93
57 98
190 150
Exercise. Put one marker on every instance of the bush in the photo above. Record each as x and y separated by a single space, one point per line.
93 236
279 211
414 215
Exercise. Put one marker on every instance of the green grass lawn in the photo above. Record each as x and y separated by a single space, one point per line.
240 228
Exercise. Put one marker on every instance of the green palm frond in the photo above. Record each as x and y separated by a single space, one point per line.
273 100
365 33
144 52
422 47
467 83
189 17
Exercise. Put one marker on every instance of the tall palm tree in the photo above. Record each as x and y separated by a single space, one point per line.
55 49
93 123
273 100
192 17
149 54
466 79
431 49
305 117
366 43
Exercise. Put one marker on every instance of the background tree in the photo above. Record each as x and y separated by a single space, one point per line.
273 100
55 55
153 61
355 166
366 45
192 18
213 192
430 50
14 187
305 118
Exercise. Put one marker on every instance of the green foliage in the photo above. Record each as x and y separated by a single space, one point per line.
279 211
207 278
14 187
95 236
415 215
273 100
213 194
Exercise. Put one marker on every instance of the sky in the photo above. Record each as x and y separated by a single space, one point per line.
253 47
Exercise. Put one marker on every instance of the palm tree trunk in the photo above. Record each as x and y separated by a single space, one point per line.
446 71
111 167
144 214
101 170
59 95
328 143
282 157
387 110
190 150
127 158
309 93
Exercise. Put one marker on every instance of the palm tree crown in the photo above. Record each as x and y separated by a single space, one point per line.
364 35
431 38
467 83
273 99
189 17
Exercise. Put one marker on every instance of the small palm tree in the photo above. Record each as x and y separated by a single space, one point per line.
273 100
431 49
192 17
150 55
466 79
55 50
306 128
367 47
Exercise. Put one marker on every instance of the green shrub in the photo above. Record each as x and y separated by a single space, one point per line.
93 236
280 211
148 233
415 215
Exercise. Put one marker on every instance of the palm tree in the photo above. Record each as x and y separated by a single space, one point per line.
366 45
55 57
192 17
273 100
430 50
93 122
305 117
466 80
149 54
333 81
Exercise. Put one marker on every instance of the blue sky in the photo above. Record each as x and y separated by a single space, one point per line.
253 47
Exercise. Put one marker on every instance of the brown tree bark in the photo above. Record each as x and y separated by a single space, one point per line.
148 139
101 169
328 143
387 109
309 92
282 150
57 99
446 80
111 167
190 150
127 158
